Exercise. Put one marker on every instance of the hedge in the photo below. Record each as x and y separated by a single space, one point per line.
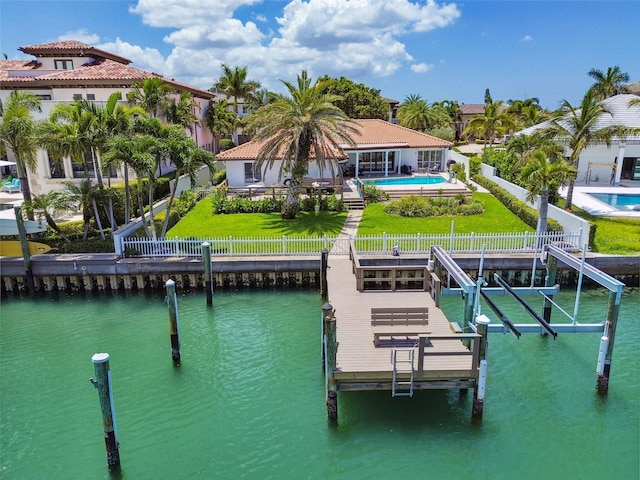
527 214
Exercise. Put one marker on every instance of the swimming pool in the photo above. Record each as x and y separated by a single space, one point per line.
619 201
418 180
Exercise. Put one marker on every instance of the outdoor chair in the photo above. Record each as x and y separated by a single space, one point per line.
14 186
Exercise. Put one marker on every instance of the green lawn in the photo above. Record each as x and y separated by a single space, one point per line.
496 218
199 222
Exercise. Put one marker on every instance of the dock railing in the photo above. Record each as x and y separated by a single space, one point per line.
385 244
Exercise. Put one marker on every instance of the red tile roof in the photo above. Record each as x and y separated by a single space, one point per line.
377 132
70 47
373 134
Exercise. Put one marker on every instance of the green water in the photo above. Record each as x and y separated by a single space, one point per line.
248 400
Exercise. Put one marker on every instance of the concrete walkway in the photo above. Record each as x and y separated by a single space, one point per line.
350 227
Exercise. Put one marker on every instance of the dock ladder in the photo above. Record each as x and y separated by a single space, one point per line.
402 361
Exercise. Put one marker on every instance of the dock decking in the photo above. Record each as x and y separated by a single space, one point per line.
361 365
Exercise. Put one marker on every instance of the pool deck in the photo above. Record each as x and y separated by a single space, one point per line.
586 202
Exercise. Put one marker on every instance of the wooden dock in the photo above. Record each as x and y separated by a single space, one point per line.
363 365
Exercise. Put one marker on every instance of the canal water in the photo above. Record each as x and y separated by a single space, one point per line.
248 400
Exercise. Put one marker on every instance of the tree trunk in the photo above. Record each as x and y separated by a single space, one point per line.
142 214
165 224
127 196
24 184
152 220
52 223
98 221
569 200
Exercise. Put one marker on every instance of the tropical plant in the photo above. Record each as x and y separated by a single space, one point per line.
415 113
41 206
493 122
296 128
609 83
579 129
539 174
184 153
86 196
152 95
17 133
356 99
234 84
181 111
219 120
452 107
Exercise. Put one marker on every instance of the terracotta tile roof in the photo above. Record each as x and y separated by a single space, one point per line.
380 132
60 45
102 71
70 47
250 151
16 65
374 134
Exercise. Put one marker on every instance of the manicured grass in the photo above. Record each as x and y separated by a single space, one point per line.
496 218
200 223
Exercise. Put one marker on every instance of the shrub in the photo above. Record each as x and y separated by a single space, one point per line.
474 165
527 214
414 206
458 169
226 144
445 133
373 194
219 177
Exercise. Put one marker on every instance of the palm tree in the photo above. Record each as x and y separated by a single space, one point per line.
17 133
234 84
182 111
85 195
135 151
295 127
415 113
184 153
609 83
152 95
452 107
219 120
41 206
491 123
538 174
578 129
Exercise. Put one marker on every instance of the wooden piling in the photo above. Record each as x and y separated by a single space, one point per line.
172 301
327 311
206 256
613 308
103 383
332 350
324 261
22 232
482 323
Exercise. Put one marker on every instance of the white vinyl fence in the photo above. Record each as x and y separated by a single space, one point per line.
371 244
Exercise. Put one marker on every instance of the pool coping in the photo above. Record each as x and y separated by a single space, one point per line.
586 202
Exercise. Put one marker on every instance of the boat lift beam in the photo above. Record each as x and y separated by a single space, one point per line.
590 271
526 306
558 327
503 318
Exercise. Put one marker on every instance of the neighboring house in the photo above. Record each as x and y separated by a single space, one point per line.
470 110
381 148
393 109
68 70
620 161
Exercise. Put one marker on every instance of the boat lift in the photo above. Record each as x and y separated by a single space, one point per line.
550 257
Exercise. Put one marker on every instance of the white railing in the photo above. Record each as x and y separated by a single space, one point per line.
367 244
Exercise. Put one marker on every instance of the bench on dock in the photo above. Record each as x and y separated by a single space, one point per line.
403 334
400 316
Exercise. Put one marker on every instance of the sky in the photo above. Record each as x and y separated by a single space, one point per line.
439 50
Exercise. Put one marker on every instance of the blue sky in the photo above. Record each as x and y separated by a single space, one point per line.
453 51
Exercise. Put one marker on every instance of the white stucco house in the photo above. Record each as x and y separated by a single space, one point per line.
621 160
68 70
380 148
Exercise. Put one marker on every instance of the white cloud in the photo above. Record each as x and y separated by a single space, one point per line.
358 38
526 38
421 67
81 35
145 58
